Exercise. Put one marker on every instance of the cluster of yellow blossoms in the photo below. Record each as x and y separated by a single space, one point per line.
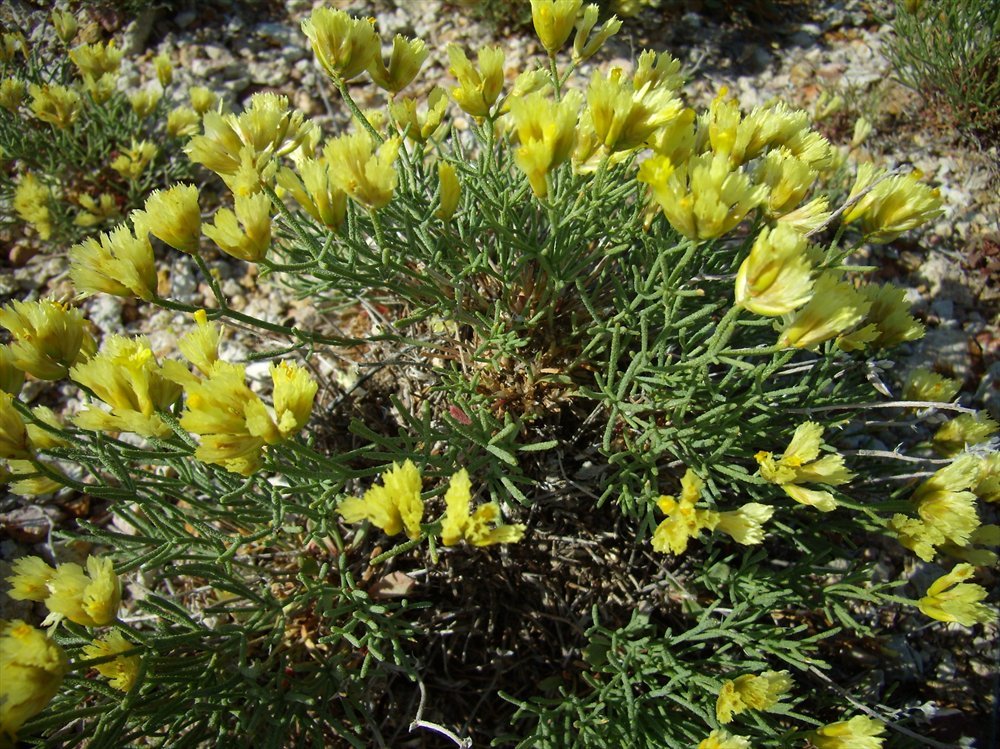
32 663
396 505
96 67
134 390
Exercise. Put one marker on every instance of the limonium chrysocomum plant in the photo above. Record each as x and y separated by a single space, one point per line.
79 151
584 448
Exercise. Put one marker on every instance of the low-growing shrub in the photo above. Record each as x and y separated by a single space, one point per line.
949 52
597 462
78 152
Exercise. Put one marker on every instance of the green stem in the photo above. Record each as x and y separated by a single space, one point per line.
556 82
356 110
396 551
286 214
304 336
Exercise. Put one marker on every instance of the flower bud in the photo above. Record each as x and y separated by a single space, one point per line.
553 21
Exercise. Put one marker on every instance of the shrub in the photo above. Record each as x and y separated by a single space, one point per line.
949 52
624 431
78 152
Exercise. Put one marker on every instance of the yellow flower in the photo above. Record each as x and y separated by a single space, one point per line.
14 441
810 217
477 90
311 184
172 216
101 89
294 392
625 117
788 181
801 464
683 521
245 234
201 345
89 598
862 129
451 191
30 579
33 667
888 320
776 277
925 385
232 421
31 202
410 122
553 21
49 337
30 482
476 527
701 198
144 100
949 599
182 122
11 378
897 205
946 510
585 47
126 376
366 175
121 264
94 60
827 105
345 46
721 739
659 70
132 162
122 670
964 430
394 506
860 732
10 44
202 99
41 437
546 133
404 64
164 69
746 525
11 94
835 306
751 692
97 211
65 24
988 486
241 148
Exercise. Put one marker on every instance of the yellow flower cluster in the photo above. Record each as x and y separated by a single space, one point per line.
231 420
860 732
945 510
120 670
242 148
31 202
962 431
89 598
396 505
722 739
48 337
126 377
685 521
33 667
950 599
751 692
800 464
